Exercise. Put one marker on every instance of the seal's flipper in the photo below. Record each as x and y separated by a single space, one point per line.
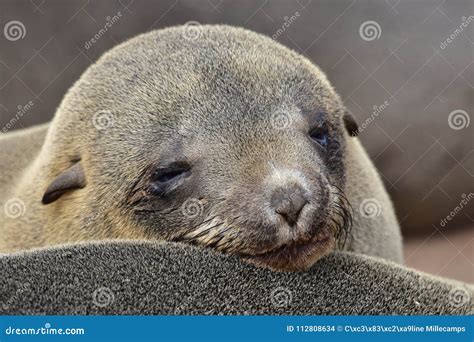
72 178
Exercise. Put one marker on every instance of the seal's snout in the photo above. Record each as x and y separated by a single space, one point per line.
288 202
287 196
294 230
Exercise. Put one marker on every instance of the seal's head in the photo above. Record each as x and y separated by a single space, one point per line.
221 138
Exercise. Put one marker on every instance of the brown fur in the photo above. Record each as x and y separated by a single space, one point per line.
211 100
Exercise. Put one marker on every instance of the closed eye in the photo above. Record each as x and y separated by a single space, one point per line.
168 175
172 172
320 136
159 181
165 180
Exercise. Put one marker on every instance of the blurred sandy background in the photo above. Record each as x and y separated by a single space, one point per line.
404 68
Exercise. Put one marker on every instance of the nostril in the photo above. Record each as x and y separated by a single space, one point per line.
289 203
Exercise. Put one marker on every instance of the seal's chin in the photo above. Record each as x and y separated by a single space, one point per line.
296 255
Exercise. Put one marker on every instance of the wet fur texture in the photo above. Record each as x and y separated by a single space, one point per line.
161 85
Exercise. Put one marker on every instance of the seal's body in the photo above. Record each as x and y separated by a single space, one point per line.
221 138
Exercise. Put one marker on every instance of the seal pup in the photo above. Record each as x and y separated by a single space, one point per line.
224 139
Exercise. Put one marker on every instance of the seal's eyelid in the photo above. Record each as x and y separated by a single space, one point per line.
168 174
350 124
70 179
317 119
170 170
321 115
320 135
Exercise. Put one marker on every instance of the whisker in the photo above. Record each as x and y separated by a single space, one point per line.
343 210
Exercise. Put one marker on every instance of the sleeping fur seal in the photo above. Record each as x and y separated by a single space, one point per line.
221 138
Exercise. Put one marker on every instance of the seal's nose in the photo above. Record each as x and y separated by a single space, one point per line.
288 202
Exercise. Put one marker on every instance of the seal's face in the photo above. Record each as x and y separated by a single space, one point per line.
238 150
270 193
251 163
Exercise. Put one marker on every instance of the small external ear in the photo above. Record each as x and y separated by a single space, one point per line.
70 179
350 124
